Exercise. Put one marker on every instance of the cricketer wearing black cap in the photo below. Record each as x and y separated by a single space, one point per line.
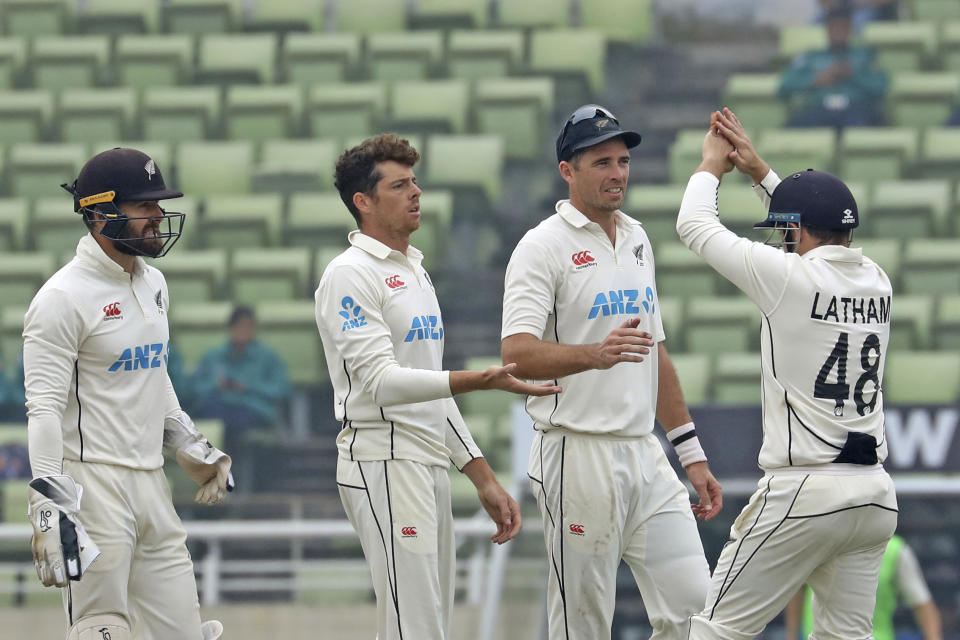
590 125
117 193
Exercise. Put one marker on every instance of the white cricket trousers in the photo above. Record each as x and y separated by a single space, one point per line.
401 511
825 530
604 499
144 572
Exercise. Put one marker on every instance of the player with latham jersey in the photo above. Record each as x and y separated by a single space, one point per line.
825 507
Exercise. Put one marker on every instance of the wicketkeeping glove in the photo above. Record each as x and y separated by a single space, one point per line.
204 463
61 548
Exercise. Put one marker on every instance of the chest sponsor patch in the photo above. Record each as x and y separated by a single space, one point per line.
622 302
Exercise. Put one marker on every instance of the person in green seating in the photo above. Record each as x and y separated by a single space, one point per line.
837 86
900 578
243 381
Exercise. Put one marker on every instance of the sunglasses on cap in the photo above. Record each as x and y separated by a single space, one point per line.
586 112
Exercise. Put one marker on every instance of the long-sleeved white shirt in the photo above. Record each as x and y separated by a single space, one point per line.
382 335
566 283
95 343
825 329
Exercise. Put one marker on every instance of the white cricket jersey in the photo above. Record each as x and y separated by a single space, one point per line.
95 343
567 284
825 330
382 335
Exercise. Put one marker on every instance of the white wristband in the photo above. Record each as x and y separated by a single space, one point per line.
686 444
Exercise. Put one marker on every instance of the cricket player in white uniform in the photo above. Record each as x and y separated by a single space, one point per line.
825 508
383 334
101 413
581 307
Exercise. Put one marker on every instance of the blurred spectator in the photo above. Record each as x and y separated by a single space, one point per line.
14 460
900 578
837 86
861 11
954 120
242 382
181 380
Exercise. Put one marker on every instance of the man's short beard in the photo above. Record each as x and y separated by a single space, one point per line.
137 246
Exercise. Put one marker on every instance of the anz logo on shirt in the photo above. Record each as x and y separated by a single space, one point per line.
148 356
351 314
425 328
622 302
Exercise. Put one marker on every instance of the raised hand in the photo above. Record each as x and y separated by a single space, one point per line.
743 156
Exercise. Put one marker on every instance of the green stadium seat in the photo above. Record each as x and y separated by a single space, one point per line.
693 369
319 58
317 220
624 21
14 492
93 115
13 224
534 13
931 266
291 329
199 17
437 206
911 322
789 150
797 39
936 10
286 15
472 165
68 61
946 324
118 17
145 61
899 45
753 97
25 116
194 276
909 209
438 106
177 114
684 155
656 207
718 325
917 377
872 154
680 272
250 220
295 165
248 58
450 14
736 379
258 275
54 227
197 327
11 321
13 55
39 169
887 252
672 316
740 208
397 57
263 112
566 53
22 274
517 109
950 40
34 17
214 168
345 110
371 16
482 54
321 258
940 157
923 99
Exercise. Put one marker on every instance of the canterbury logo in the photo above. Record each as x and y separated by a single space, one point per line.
577 529
112 310
582 257
394 281
408 532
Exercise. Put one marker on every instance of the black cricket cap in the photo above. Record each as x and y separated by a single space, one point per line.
589 125
130 174
815 199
